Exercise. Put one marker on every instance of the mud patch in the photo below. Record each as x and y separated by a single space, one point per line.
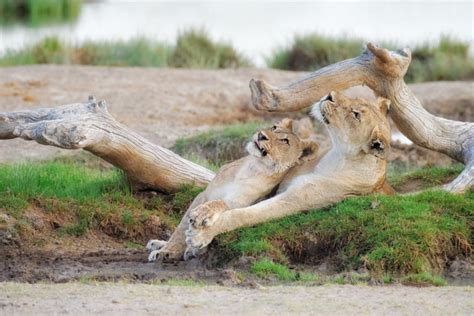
106 265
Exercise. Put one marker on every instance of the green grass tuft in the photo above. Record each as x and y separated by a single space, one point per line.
339 279
219 146
428 176
183 198
132 245
194 49
424 278
266 267
253 247
136 52
51 179
387 278
313 51
308 277
127 218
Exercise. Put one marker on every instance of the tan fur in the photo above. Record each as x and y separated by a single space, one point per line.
273 152
355 165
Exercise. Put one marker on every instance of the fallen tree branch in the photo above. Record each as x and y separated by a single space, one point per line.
383 72
89 126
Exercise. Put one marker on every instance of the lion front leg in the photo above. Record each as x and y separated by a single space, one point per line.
154 246
202 221
206 222
174 248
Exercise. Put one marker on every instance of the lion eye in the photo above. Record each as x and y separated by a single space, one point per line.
285 140
274 127
356 115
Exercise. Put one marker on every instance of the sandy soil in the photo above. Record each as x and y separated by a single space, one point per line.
165 104
126 299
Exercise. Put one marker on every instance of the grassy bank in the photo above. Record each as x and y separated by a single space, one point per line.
412 237
39 12
193 49
447 60
397 235
80 199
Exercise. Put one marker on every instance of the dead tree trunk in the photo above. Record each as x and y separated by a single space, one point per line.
90 126
383 72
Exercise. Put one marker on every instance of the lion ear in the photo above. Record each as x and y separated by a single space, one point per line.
309 150
384 105
379 145
287 123
303 128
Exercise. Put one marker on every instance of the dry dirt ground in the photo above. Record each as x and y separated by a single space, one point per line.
163 105
127 299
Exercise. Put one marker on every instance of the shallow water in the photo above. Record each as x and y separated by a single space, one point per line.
257 28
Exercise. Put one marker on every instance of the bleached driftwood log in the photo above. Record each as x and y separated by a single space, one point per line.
89 126
383 72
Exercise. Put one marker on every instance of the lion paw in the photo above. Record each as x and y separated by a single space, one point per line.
153 255
197 239
207 213
169 255
201 221
155 244
166 253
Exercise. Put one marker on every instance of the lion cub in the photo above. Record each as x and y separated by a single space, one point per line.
272 153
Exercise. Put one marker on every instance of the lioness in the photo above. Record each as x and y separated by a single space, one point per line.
272 153
355 165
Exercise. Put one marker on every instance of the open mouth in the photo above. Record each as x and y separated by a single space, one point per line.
262 151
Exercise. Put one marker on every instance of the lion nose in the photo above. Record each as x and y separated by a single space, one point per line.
262 136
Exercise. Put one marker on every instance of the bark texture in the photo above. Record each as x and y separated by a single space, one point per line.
383 72
89 126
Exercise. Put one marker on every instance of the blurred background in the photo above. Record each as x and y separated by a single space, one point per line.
229 34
